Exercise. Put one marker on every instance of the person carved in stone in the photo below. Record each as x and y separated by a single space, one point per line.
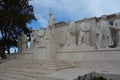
71 36
40 34
33 39
116 25
50 31
19 44
104 33
24 41
84 33
36 37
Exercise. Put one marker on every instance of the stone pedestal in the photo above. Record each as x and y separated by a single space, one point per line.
45 49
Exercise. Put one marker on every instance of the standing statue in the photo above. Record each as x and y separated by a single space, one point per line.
33 39
19 44
50 31
84 34
104 33
71 37
36 37
116 25
24 42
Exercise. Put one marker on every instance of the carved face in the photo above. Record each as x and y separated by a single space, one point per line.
50 14
104 17
85 19
118 16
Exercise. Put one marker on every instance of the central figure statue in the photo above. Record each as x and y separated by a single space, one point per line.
50 30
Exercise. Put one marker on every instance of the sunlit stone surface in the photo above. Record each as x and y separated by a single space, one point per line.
64 51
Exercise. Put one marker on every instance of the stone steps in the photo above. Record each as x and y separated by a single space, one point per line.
5 78
11 71
17 77
46 64
30 69
54 67
14 75
33 61
43 65
23 74
59 63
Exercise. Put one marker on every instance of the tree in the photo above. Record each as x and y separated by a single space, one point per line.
14 15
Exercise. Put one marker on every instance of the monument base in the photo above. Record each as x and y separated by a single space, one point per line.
101 59
82 47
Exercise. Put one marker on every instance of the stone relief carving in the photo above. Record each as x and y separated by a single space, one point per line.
19 44
22 42
33 38
104 33
36 36
50 30
116 25
84 34
71 36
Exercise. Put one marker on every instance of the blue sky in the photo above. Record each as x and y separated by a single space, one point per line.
64 10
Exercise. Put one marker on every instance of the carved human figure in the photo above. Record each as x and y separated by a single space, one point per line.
84 33
104 33
33 39
36 37
40 34
24 41
116 25
50 31
71 36
19 44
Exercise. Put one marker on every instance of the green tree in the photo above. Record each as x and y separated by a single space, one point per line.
14 15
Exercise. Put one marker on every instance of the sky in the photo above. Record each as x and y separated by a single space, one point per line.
63 10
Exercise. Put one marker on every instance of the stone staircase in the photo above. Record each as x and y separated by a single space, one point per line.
30 69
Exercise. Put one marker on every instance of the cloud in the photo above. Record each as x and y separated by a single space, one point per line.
100 7
64 10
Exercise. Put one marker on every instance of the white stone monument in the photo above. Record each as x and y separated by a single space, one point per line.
36 36
116 25
84 34
71 35
22 43
33 37
19 44
50 30
47 47
104 33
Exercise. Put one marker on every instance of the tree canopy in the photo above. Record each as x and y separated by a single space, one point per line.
14 14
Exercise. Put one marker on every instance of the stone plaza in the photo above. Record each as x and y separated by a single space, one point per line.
64 51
